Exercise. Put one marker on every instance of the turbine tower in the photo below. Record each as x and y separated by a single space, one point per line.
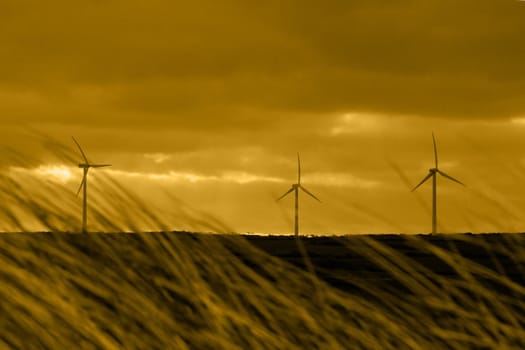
432 173
83 185
295 188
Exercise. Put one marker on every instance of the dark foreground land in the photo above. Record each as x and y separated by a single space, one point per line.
351 262
180 290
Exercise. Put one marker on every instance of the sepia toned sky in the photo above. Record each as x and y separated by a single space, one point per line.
210 101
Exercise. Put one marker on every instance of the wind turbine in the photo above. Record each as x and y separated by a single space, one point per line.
295 188
83 185
432 173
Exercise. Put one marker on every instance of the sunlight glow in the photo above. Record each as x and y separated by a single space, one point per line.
241 178
228 177
350 123
157 157
518 120
57 173
338 180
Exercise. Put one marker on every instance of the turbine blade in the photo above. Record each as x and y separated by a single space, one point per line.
81 151
422 181
310 193
98 165
450 178
298 169
82 183
435 150
284 195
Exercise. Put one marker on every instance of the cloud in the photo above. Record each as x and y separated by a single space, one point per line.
114 62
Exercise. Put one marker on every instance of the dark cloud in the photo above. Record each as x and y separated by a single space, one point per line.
103 60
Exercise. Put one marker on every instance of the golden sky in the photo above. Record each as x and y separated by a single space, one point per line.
211 100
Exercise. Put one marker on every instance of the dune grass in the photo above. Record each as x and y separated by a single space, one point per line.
175 290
